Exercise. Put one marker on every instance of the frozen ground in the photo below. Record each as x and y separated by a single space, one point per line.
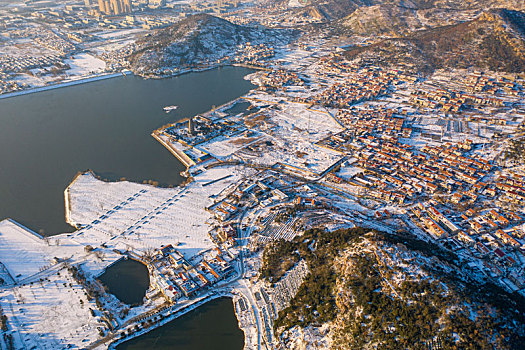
128 215
58 84
24 254
349 171
47 307
35 81
49 315
293 132
223 146
313 125
85 64
23 47
114 40
121 33
82 65
299 59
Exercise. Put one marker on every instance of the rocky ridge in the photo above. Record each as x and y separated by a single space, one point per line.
494 40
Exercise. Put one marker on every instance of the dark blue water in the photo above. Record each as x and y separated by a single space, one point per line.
128 280
47 137
212 326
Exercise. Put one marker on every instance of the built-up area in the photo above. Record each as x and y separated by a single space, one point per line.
336 144
321 142
46 43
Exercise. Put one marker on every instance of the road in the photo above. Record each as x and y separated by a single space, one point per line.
246 291
243 284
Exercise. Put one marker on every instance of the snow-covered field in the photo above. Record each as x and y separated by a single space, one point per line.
120 33
223 146
349 171
313 125
112 40
47 315
129 215
85 64
296 129
24 254
47 307
25 46
298 58
35 80
39 84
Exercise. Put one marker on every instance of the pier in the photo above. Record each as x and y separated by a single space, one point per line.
184 159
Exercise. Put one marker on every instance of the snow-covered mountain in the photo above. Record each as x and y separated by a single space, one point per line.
197 40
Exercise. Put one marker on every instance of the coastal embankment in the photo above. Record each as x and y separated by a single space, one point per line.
181 156
202 69
168 314
66 83
67 202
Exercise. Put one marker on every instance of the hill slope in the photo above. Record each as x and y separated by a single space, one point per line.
370 290
382 19
196 40
325 9
494 40
337 9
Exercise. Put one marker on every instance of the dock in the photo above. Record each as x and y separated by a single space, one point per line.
181 156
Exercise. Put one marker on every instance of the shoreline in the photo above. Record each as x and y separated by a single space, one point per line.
202 69
170 314
124 72
25 229
74 82
181 156
172 317
67 203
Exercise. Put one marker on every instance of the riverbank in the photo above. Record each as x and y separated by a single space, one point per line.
66 84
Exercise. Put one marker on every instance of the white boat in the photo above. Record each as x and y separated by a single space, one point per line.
168 109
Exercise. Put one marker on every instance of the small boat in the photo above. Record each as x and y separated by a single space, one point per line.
168 109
